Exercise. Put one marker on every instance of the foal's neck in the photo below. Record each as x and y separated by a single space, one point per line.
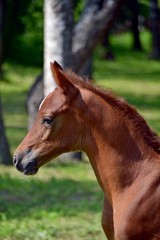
114 150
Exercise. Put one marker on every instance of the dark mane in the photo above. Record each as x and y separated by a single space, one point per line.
128 112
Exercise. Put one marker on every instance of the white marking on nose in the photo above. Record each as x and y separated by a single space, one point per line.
41 103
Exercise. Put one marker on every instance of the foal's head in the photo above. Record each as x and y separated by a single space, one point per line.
57 128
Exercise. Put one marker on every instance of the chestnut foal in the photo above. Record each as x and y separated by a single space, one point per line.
123 151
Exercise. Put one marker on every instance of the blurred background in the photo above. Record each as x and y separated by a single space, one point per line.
116 43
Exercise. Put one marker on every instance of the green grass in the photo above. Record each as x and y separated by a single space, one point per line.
63 201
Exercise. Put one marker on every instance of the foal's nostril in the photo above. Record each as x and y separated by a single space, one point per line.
15 160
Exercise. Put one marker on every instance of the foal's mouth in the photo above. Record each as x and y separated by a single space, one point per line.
31 168
25 164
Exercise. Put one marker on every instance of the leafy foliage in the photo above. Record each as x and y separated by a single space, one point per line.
24 32
32 39
78 6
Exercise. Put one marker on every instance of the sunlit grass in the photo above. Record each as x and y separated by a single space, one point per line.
62 201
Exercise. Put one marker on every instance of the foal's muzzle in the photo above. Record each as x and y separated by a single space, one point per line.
25 163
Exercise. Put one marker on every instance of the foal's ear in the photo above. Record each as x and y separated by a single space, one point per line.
56 65
62 81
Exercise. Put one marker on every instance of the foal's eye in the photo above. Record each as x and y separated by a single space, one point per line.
47 121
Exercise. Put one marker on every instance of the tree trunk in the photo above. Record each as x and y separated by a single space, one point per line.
72 48
155 29
5 156
134 8
58 24
91 28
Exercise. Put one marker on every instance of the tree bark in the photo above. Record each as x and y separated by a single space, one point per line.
90 29
58 42
5 156
58 24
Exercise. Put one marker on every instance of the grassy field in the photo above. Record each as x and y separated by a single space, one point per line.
63 201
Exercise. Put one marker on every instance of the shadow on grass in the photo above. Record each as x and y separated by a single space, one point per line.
62 196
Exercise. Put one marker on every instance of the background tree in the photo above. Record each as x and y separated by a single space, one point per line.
23 33
71 45
96 19
5 156
155 28
134 8
58 21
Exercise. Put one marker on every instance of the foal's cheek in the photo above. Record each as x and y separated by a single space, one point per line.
49 134
46 134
